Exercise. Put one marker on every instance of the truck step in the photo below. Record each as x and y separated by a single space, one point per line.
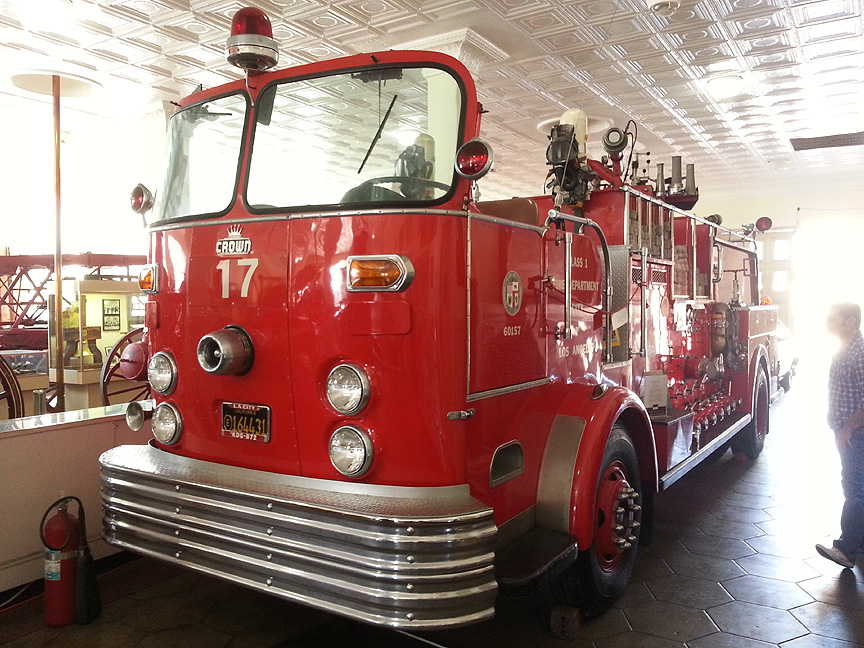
533 561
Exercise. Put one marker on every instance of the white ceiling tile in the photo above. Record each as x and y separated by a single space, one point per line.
801 60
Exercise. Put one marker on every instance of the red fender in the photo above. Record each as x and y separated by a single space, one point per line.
600 414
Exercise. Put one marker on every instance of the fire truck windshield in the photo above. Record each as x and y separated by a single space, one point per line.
204 145
378 135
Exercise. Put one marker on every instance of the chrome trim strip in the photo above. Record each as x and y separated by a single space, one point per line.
555 484
509 223
416 558
269 218
679 470
568 287
501 391
468 305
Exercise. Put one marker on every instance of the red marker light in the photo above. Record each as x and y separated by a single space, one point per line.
474 159
764 224
141 199
251 45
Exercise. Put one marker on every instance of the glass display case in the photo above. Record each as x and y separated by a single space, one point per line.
96 314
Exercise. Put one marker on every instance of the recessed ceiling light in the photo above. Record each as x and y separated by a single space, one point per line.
725 86
663 8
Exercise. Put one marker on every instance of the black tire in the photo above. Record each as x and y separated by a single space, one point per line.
751 439
601 572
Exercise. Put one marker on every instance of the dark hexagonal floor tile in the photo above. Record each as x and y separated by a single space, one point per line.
767 591
610 624
831 621
739 514
670 621
754 488
781 527
815 641
720 547
690 592
185 637
790 570
705 567
728 529
827 567
726 640
757 622
632 639
750 500
787 546
636 593
844 591
170 612
648 567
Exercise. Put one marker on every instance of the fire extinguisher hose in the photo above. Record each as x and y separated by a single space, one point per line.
88 602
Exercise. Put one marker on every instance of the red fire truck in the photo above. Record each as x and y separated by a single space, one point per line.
378 395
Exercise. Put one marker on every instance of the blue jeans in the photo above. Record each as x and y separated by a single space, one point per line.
852 518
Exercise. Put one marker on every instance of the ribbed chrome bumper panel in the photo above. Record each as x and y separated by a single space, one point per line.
401 557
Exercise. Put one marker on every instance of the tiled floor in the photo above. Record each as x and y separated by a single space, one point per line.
732 566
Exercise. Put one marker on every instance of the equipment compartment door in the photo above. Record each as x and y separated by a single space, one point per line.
506 310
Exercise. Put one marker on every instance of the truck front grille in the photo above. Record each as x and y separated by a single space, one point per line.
401 557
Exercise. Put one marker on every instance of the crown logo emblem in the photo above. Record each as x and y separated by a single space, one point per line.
234 232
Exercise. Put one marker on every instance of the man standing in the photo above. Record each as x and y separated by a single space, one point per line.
846 418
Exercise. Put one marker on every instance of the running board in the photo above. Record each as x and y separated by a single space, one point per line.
533 561
681 469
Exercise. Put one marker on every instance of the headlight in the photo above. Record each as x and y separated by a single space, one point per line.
162 373
348 389
351 451
167 425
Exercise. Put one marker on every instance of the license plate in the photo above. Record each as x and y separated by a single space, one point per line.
246 421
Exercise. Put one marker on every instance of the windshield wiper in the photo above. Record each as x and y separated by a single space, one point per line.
378 134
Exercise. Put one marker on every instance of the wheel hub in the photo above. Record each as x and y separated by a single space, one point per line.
617 517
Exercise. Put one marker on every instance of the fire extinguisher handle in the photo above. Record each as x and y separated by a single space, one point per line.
82 532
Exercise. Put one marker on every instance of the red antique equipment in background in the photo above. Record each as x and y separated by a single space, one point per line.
377 394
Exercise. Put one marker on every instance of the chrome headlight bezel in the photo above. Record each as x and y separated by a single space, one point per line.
159 384
347 441
160 415
355 403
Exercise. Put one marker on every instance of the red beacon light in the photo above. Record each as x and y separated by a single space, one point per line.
251 45
474 159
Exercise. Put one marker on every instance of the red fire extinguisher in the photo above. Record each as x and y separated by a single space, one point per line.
71 593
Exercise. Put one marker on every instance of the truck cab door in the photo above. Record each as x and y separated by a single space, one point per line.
506 317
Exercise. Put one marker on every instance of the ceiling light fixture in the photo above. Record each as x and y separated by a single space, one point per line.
725 87
40 82
663 8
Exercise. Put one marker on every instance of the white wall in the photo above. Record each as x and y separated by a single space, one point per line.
43 461
788 205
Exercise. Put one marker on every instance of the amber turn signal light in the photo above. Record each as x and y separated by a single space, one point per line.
148 279
384 273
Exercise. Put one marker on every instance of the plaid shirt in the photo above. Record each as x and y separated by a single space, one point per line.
846 383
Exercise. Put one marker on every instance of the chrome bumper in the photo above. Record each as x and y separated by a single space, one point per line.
400 557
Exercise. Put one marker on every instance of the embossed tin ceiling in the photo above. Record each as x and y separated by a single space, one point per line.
801 63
